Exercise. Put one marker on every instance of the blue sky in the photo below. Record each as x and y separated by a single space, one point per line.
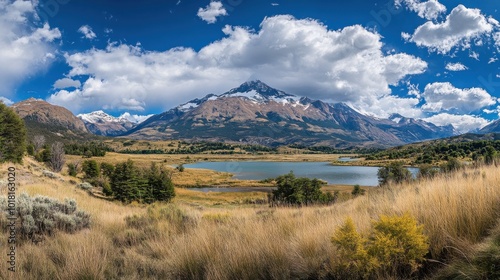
436 60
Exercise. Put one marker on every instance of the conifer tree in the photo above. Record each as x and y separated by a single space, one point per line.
125 181
160 185
12 135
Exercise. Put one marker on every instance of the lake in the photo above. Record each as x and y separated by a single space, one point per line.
334 175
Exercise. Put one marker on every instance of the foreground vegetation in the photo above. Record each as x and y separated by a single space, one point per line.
444 225
192 239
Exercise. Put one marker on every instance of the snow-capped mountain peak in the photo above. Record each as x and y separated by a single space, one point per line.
98 117
101 123
255 91
196 102
102 117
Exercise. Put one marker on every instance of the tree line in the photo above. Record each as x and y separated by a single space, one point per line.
126 182
477 150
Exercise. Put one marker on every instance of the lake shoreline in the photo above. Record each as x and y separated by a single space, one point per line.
259 171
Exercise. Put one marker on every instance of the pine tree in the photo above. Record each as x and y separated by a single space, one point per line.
160 185
125 182
12 135
91 169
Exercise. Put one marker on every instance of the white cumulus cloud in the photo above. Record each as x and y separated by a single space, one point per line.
87 32
26 45
300 56
456 67
428 9
461 26
135 118
212 11
462 123
67 83
6 101
445 97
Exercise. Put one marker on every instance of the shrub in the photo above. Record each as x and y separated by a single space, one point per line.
427 171
451 165
85 186
394 172
398 244
180 167
43 155
49 174
353 259
40 216
72 169
357 190
299 191
395 249
30 149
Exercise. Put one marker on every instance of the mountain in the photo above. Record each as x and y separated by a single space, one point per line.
491 128
53 121
100 123
258 114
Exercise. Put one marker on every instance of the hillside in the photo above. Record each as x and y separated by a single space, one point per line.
255 113
56 123
466 147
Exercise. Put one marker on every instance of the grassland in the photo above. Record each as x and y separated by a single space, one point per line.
227 236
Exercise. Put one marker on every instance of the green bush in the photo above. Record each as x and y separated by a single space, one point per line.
394 250
180 167
43 156
30 149
299 191
40 216
357 190
451 165
427 171
395 172
72 169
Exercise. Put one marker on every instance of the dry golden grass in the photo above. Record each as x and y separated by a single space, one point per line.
196 238
175 159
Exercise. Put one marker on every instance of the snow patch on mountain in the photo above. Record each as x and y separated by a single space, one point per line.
102 117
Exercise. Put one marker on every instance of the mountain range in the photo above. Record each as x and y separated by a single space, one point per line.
253 113
100 123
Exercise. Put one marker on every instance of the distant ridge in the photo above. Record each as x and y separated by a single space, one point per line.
55 122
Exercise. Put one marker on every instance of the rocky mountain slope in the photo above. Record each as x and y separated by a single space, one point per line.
100 123
493 127
39 111
258 114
